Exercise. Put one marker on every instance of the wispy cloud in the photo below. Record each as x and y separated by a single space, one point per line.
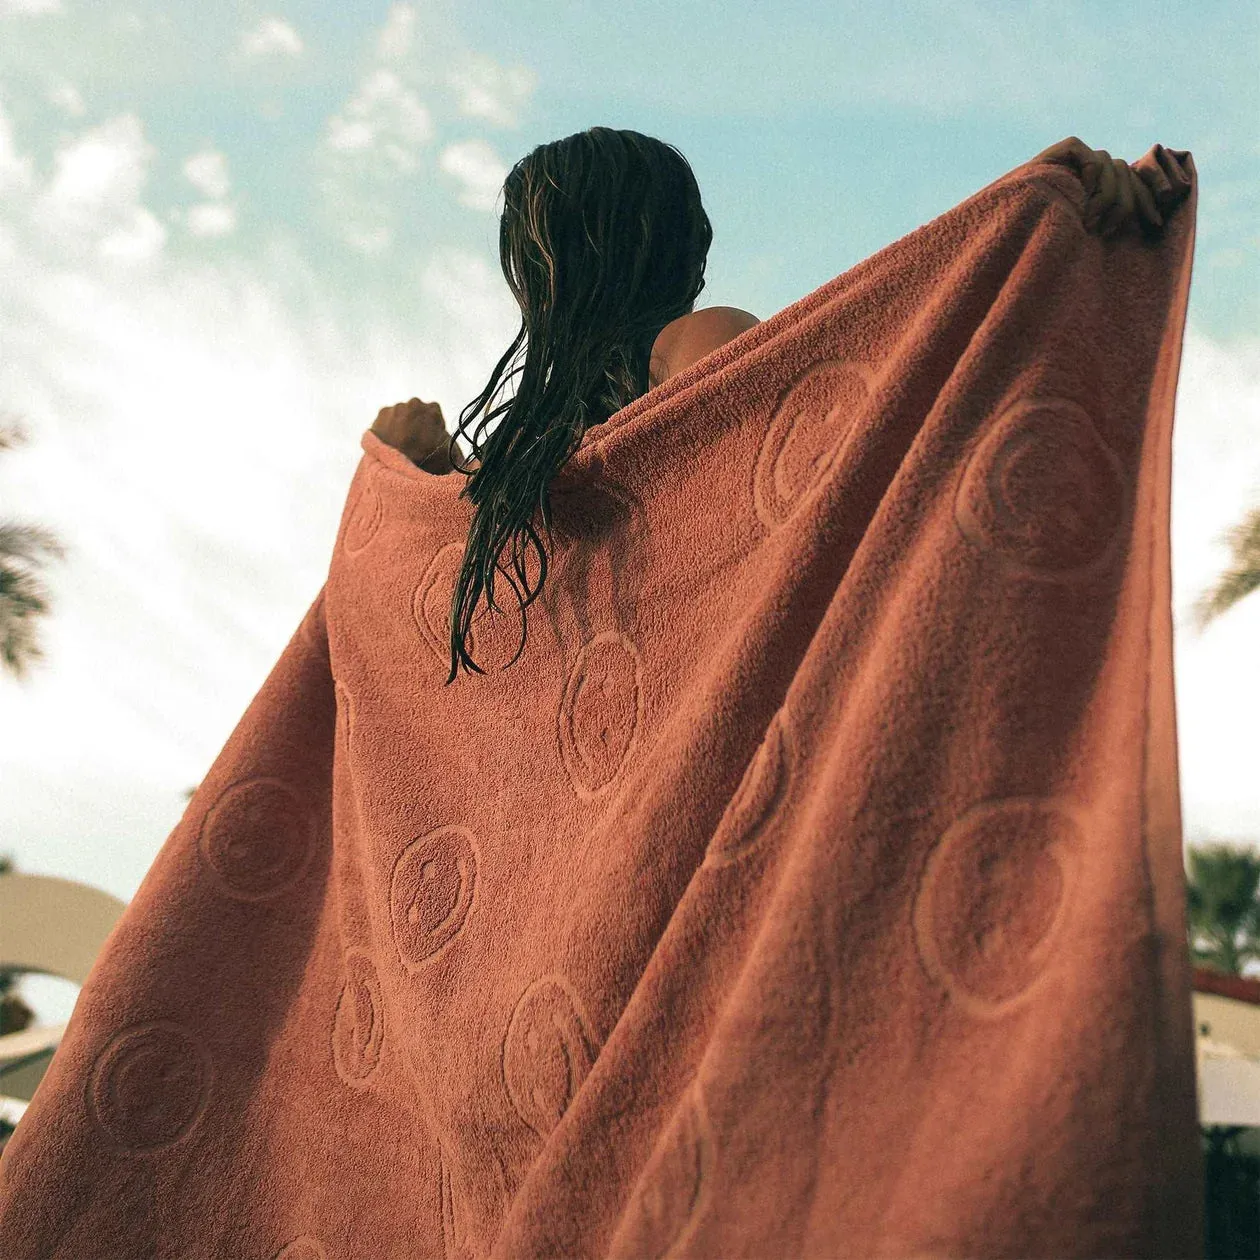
211 218
1216 478
479 170
346 135
99 171
384 116
372 141
208 173
369 240
481 86
192 437
272 35
23 8
94 194
137 241
381 132
66 96
16 171
485 89
397 36
180 415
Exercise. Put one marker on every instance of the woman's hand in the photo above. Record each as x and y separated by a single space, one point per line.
1115 193
417 429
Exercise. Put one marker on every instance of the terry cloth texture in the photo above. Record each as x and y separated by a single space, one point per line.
811 886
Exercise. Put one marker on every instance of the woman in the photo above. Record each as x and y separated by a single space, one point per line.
603 242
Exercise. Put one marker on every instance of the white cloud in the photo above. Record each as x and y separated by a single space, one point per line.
141 239
479 168
179 421
375 138
1216 479
468 291
369 240
94 192
67 97
208 173
211 219
485 89
272 36
16 171
384 118
103 168
1216 455
379 133
392 107
347 136
177 428
21 8
398 34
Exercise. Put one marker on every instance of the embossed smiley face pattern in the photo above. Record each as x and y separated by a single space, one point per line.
1040 494
150 1085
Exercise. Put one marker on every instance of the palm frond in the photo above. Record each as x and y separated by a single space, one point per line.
26 542
1240 579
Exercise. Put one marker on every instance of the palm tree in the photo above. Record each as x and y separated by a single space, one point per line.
23 597
1241 578
1222 909
1222 922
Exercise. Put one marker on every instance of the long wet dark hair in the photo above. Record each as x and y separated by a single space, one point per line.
603 241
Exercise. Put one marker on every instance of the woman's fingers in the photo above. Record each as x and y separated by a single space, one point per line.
1156 179
1064 151
1146 200
1104 190
1115 192
1092 164
1123 202
1089 179
1076 154
1137 203
1123 196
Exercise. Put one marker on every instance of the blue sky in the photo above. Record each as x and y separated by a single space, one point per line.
230 234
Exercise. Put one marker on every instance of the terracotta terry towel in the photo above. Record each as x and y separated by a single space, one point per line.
811 886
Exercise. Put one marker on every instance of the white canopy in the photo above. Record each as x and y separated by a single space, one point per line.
1229 1084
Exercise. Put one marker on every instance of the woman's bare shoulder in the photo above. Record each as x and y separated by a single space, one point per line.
723 318
692 336
704 331
710 327
712 319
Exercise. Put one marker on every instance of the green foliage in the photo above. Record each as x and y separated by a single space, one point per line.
1231 1215
1243 575
1222 910
23 598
